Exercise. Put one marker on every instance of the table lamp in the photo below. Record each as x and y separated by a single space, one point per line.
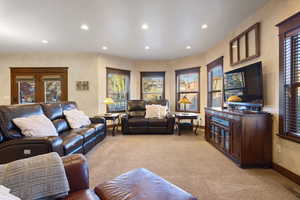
108 101
184 100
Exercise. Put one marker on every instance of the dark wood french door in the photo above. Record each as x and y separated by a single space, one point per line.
32 85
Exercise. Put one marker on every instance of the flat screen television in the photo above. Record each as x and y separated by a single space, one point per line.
246 83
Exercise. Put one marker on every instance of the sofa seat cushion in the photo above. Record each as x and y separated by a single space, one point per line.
82 195
155 122
137 122
87 132
140 184
97 126
71 141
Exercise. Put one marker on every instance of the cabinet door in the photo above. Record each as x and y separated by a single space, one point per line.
236 139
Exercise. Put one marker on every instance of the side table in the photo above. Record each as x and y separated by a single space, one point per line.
186 116
115 118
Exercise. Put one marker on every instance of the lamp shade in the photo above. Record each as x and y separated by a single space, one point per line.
108 101
234 99
184 100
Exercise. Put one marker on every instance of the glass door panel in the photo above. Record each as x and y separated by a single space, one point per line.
52 89
26 89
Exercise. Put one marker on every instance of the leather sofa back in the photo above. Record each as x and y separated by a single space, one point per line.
1 137
54 112
8 113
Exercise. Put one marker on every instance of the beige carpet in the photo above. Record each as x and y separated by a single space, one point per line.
189 162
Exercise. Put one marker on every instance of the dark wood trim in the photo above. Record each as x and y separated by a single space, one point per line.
286 28
38 73
153 74
210 66
177 94
287 173
256 28
117 71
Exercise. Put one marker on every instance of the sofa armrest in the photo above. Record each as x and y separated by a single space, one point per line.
98 120
29 146
77 171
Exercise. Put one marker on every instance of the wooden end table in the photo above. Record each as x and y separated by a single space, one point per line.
115 118
186 116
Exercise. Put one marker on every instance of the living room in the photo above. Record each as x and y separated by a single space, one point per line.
90 49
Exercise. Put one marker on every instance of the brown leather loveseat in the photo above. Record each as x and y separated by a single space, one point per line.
134 121
14 146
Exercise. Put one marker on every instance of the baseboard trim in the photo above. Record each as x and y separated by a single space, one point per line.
287 173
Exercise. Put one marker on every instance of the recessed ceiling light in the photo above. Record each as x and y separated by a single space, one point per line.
204 26
104 48
45 41
84 27
145 26
188 47
147 47
234 46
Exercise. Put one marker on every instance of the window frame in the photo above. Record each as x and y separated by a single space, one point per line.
287 27
117 71
153 74
177 93
216 63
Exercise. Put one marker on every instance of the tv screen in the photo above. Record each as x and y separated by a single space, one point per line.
246 83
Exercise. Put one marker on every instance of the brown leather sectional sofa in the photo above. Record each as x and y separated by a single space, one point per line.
14 146
134 121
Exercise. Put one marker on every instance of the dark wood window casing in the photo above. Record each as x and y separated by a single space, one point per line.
120 97
289 74
42 79
154 75
179 93
218 63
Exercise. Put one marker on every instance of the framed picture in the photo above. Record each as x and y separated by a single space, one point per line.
82 86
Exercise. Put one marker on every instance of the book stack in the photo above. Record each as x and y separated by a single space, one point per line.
5 194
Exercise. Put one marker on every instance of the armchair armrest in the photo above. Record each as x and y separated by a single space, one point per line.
98 120
77 172
29 146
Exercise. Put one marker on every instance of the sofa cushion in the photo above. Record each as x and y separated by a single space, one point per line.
77 118
97 126
71 141
61 125
53 111
137 122
154 122
86 132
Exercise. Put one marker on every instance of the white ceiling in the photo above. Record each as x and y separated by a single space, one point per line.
173 25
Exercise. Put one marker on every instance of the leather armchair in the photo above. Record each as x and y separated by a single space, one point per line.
134 121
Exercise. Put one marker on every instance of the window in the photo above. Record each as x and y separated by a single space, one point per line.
31 85
215 83
188 85
289 35
152 86
117 85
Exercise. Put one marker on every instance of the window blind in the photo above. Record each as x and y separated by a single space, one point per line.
292 83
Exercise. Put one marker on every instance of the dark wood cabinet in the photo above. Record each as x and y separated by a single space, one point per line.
243 136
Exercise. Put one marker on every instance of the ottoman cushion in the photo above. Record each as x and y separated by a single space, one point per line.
140 184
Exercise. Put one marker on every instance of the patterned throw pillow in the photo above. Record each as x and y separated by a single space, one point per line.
77 118
35 126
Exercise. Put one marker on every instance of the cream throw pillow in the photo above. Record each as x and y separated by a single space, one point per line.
152 111
36 126
156 111
77 118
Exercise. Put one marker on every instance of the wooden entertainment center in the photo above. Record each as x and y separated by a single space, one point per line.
243 136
